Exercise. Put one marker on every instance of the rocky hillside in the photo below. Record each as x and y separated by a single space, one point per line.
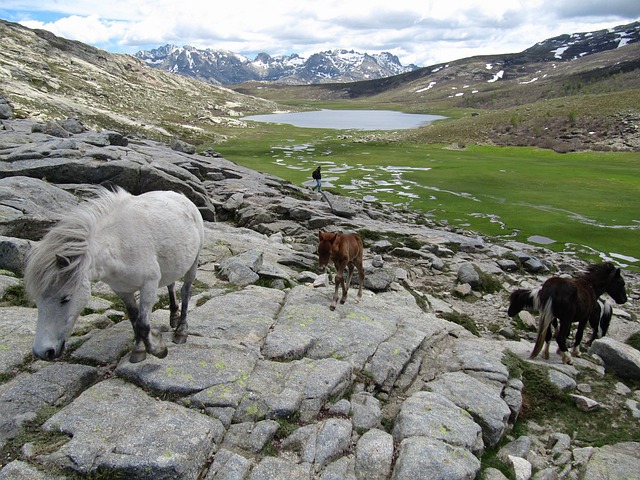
49 77
427 377
221 67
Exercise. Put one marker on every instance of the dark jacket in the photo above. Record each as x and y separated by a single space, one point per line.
316 174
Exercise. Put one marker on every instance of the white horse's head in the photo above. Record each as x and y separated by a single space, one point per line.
58 312
59 306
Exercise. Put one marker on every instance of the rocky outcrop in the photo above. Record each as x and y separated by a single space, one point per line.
271 383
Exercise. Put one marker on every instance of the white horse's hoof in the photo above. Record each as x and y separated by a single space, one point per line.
161 353
137 356
180 337
156 346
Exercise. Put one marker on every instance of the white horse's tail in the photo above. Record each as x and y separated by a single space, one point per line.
546 317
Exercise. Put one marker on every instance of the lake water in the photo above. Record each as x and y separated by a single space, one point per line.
350 119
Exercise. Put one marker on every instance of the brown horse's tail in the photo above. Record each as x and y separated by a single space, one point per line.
546 317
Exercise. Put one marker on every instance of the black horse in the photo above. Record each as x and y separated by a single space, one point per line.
523 299
571 300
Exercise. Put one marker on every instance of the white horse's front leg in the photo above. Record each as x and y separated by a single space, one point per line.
144 334
139 351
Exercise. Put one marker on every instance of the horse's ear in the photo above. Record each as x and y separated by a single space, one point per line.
326 236
62 262
617 273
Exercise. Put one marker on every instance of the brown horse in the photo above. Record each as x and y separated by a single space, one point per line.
575 300
529 300
343 249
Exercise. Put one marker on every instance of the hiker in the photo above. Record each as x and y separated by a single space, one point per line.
317 177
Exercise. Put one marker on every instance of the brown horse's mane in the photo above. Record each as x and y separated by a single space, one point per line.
598 275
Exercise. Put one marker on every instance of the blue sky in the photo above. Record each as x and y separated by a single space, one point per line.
423 32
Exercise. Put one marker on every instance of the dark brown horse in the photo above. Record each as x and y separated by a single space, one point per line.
573 300
343 249
528 299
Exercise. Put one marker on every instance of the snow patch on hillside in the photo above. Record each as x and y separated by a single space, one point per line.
428 87
496 77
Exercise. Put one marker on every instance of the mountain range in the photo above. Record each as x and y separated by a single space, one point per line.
222 67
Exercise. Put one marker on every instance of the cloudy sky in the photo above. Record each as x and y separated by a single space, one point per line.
424 32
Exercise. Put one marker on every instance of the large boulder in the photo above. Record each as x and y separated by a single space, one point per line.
487 409
29 207
622 359
614 461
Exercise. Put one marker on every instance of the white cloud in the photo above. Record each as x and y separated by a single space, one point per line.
425 33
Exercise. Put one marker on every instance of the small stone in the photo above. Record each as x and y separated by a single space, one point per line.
528 319
463 290
321 281
585 404
582 455
584 388
507 333
520 467
341 407
632 405
622 389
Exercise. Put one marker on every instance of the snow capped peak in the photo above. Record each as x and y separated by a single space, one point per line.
224 67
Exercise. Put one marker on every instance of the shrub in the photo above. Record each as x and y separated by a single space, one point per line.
463 320
15 296
573 116
634 340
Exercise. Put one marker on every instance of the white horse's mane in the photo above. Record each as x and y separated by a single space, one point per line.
69 238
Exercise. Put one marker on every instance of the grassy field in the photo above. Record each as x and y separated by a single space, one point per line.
588 203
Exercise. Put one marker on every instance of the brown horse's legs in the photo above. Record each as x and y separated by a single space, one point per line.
561 340
575 351
361 278
594 321
347 284
339 281
547 344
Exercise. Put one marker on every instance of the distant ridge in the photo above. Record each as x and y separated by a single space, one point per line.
222 67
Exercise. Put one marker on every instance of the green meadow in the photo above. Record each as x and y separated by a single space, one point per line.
588 203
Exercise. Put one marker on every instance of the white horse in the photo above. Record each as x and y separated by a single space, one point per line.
132 243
